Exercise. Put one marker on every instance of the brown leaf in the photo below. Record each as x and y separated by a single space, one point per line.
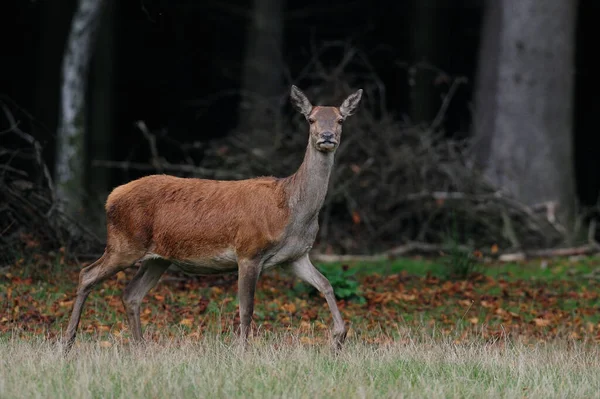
408 297
465 302
541 322
289 307
355 217
187 322
304 326
66 304
487 304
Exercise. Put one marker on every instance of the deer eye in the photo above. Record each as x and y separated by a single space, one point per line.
340 121
311 120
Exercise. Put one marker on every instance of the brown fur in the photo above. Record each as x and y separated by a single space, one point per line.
184 218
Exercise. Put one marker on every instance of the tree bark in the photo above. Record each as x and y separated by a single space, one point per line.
70 152
523 119
262 75
427 49
101 126
54 28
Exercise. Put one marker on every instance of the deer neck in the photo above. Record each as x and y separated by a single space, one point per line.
308 186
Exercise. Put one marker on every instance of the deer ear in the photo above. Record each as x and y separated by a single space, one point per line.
300 101
351 103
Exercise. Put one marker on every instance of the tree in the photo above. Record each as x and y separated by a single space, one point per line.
101 114
262 75
524 99
70 151
428 47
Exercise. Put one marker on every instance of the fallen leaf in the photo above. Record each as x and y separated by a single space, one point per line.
187 322
541 322
289 307
307 340
105 344
304 326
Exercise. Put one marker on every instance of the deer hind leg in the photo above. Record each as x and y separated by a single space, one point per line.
304 269
108 265
145 279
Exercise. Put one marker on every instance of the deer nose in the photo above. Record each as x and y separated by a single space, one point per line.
327 136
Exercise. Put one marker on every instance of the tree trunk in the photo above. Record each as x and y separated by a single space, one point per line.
262 75
54 23
523 119
101 124
427 49
70 152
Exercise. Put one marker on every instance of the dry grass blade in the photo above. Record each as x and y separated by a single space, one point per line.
282 366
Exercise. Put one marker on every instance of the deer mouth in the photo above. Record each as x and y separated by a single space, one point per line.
327 145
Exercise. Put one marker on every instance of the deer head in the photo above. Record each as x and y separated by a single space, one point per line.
325 122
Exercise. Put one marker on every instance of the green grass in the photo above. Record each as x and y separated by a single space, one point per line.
560 269
280 366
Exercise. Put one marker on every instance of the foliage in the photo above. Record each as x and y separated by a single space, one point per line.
31 217
460 264
344 283
520 301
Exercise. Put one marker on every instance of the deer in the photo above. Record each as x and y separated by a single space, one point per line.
208 227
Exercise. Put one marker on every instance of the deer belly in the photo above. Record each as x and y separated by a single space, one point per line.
223 263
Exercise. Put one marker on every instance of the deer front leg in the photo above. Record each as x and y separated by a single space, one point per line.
305 270
247 278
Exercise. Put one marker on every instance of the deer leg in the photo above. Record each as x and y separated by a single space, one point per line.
305 270
144 280
108 265
249 271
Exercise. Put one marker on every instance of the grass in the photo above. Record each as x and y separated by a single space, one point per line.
281 366
517 330
545 270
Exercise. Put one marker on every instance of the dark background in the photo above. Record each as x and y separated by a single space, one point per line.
172 57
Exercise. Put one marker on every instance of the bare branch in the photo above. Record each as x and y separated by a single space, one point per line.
197 170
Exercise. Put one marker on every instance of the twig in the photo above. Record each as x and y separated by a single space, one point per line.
126 165
439 117
151 143
36 146
432 249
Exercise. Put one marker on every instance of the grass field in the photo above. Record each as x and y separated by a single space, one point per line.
509 330
282 367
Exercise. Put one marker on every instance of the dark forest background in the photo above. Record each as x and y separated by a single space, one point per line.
180 66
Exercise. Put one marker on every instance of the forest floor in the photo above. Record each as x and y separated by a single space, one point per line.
417 329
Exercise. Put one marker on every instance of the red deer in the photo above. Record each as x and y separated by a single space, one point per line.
215 226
